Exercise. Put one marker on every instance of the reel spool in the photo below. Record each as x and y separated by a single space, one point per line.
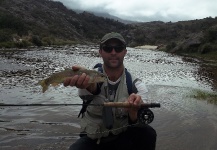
145 116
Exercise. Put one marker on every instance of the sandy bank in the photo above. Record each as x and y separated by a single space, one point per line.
151 47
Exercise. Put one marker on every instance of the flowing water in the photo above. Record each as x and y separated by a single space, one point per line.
182 122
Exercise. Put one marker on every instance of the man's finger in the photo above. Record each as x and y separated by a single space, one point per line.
75 68
81 79
73 80
66 81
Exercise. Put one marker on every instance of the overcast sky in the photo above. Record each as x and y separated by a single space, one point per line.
149 10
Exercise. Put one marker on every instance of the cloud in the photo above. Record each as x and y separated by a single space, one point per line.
149 10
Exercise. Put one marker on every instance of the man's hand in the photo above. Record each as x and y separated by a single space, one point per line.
80 81
135 100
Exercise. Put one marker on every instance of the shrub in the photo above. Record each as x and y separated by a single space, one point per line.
36 40
48 41
206 48
6 44
171 46
22 44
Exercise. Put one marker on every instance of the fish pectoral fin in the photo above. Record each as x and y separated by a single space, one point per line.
55 84
44 88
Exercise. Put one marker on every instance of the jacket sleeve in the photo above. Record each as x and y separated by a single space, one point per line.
85 94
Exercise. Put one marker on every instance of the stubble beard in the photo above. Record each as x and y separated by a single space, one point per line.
113 63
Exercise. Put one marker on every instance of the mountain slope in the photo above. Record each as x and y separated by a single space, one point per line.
46 18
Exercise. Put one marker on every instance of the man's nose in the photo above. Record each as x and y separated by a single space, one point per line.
113 51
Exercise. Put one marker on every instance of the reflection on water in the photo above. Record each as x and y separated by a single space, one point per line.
169 78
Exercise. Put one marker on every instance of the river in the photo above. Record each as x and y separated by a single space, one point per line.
182 122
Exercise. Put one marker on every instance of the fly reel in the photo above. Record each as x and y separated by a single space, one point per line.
145 116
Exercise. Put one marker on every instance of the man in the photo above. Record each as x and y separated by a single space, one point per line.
112 128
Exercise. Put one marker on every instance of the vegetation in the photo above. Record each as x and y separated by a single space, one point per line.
203 95
49 23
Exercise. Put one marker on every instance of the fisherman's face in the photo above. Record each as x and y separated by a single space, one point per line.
112 53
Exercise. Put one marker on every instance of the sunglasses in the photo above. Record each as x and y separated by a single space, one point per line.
118 49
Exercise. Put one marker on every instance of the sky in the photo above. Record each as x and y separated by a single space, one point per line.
149 10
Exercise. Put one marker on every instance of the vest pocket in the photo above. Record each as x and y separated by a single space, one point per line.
91 128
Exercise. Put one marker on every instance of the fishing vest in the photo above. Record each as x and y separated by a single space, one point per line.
92 121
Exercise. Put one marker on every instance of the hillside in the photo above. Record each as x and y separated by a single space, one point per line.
46 22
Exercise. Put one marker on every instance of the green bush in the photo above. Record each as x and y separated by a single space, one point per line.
36 40
65 42
48 41
7 45
22 44
171 46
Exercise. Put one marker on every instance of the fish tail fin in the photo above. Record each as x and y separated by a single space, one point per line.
44 85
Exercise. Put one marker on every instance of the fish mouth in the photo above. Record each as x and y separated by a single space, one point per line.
103 75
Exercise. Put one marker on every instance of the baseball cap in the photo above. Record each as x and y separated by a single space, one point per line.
112 35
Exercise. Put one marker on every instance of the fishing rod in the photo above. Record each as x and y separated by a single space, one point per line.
145 115
108 104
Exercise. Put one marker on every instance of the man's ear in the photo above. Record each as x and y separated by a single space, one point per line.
125 52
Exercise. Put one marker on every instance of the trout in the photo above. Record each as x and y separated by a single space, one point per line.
57 78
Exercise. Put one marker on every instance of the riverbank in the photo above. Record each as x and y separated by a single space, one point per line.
210 97
209 57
